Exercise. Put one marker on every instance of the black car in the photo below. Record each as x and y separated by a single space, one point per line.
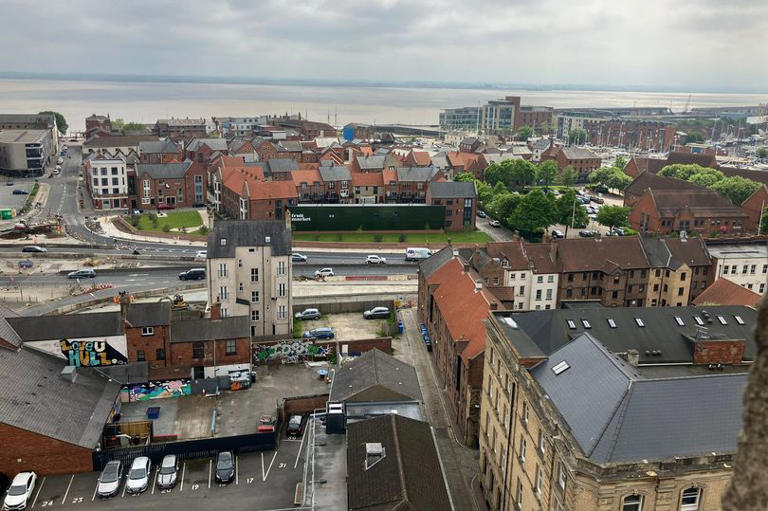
193 274
557 234
295 426
587 234
225 467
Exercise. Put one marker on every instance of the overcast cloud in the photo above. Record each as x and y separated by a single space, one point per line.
702 44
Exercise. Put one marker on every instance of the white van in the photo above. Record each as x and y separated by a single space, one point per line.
417 254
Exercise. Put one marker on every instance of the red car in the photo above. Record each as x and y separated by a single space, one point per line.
162 205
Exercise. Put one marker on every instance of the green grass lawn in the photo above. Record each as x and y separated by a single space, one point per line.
363 237
175 220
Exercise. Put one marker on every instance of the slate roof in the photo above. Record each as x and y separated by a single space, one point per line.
148 314
702 203
335 173
248 233
726 292
416 174
615 415
67 326
371 162
214 144
164 170
672 253
578 153
408 477
452 190
431 264
157 146
34 397
7 333
39 119
289 146
206 329
118 141
598 254
281 165
375 376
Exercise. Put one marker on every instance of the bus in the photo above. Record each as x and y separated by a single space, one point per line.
417 254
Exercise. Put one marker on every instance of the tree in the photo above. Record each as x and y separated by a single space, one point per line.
736 188
613 216
764 222
520 173
568 176
503 205
61 122
484 192
621 162
762 153
681 171
534 212
610 177
133 126
693 138
569 211
466 177
499 189
493 173
577 136
524 133
546 173
707 177
118 123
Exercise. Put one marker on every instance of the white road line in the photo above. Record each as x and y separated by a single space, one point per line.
96 488
39 489
183 471
262 466
210 469
236 470
298 455
125 485
64 499
270 466
154 481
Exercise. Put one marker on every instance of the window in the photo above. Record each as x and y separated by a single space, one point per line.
222 269
562 478
632 503
739 320
281 289
542 442
611 323
140 356
254 274
255 315
752 269
147 330
549 295
689 500
765 268
540 279
254 296
586 323
538 295
722 320
522 448
551 278
198 350
744 269
680 291
282 312
679 321
231 347
698 320
281 267
519 494
239 263
639 322
525 412
223 293
159 354
539 477
571 324
682 277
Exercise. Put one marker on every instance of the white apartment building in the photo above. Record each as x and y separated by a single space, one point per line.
532 291
249 272
108 182
745 264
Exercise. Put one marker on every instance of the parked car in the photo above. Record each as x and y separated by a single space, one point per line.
295 426
616 231
163 205
583 200
587 233
481 213
323 332
308 314
58 167
169 471
298 258
138 476
34 248
192 274
20 491
225 467
25 264
19 191
556 233
56 171
596 199
60 160
85 273
494 223
376 313
109 480
9 183
324 272
374 259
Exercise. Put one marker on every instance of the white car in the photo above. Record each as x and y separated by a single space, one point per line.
20 491
138 477
494 223
324 272
201 255
374 259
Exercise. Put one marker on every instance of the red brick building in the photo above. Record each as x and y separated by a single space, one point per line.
638 165
245 197
160 151
177 185
754 207
583 161
459 200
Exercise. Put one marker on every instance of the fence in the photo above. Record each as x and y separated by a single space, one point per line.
341 306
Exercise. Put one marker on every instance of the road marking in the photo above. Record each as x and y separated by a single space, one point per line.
298 455
39 489
125 485
183 471
68 486
262 465
236 470
154 481
270 466
94 490
210 470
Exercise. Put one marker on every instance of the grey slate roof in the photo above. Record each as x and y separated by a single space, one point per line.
148 314
375 162
375 376
335 173
157 146
290 146
577 153
281 165
408 477
452 190
215 144
248 233
45 328
232 327
433 263
118 141
7 333
615 415
33 397
417 174
164 170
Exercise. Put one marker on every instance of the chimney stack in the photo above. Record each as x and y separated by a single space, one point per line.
633 357
69 373
494 305
125 302
216 310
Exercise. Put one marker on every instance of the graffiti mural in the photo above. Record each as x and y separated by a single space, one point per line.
290 351
91 353
155 390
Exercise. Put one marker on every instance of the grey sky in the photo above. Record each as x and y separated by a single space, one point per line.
676 43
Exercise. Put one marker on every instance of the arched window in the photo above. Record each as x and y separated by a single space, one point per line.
690 499
632 503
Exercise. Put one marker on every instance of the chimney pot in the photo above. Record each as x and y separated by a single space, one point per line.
633 357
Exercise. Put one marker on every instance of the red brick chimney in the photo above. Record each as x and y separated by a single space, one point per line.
216 310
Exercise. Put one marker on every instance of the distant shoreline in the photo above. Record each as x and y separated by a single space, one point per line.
416 84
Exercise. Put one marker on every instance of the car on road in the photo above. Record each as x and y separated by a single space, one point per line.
298 258
34 248
225 467
324 272
481 213
308 314
494 223
20 491
108 484
556 233
201 255
168 472
295 426
84 273
377 313
19 191
323 332
138 476
374 259
586 233
192 274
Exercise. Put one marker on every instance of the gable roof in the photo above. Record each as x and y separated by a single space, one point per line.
248 233
158 146
335 173
371 162
7 333
118 141
421 158
309 176
206 329
726 292
265 190
281 165
416 174
148 314
683 158
601 254
66 326
648 180
452 190
375 376
578 153
367 179
432 263
409 477
173 170
701 203
214 144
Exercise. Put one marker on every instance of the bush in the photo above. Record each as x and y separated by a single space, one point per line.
166 228
630 232
133 220
377 238
402 238
203 230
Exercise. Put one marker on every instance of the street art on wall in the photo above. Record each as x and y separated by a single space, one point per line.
91 353
156 390
290 351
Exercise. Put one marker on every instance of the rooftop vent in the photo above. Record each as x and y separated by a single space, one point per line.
69 373
374 453
223 242
267 239
560 368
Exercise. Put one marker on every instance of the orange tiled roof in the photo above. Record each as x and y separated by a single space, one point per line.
421 158
725 292
367 179
389 175
272 189
309 176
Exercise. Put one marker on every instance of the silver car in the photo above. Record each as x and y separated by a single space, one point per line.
169 471
138 477
109 480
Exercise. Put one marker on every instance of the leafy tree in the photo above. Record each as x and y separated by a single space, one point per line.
613 216
762 153
764 222
484 192
693 138
610 177
621 162
166 228
577 136
493 173
465 177
133 126
522 173
569 211
499 189
534 212
61 122
681 171
707 177
503 205
736 188
546 173
118 123
568 176
524 133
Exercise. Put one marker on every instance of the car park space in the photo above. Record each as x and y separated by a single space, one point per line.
351 326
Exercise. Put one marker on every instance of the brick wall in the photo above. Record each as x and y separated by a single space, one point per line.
44 455
713 352
304 404
182 354
149 344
